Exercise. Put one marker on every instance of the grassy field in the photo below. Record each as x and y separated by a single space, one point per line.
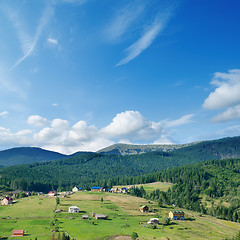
35 215
149 187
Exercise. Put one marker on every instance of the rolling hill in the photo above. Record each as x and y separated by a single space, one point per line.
89 168
24 155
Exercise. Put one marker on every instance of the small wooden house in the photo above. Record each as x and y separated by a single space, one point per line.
6 201
144 208
153 221
176 215
73 209
18 233
96 189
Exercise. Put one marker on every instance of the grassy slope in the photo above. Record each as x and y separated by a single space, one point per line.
149 187
35 217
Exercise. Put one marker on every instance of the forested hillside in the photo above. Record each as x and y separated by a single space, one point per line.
23 155
211 187
87 168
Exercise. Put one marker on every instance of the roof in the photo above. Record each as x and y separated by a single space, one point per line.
177 212
100 216
144 206
74 207
9 198
95 187
18 231
51 192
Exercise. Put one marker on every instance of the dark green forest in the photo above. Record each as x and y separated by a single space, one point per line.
214 182
85 169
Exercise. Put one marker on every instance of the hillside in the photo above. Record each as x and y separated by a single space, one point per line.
129 149
36 216
86 169
23 155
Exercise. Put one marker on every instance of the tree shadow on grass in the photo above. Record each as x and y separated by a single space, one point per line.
190 219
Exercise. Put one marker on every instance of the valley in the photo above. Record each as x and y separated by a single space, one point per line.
36 216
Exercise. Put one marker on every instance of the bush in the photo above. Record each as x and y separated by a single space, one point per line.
134 235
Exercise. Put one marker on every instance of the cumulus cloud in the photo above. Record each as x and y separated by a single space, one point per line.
226 95
133 125
59 135
227 90
37 121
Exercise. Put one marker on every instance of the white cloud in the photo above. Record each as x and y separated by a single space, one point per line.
52 41
226 95
149 34
181 121
230 114
227 90
28 43
37 121
3 114
59 135
54 104
123 19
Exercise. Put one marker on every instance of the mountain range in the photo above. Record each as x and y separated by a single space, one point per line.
88 168
205 150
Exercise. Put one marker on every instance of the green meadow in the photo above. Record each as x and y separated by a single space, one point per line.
36 216
149 187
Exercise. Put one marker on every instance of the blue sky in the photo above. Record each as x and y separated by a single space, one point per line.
84 74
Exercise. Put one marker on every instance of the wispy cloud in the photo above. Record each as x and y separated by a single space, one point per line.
123 19
52 41
27 44
181 121
3 114
142 43
149 34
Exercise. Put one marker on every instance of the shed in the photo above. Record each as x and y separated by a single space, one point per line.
144 208
176 215
100 216
153 221
85 217
73 209
18 232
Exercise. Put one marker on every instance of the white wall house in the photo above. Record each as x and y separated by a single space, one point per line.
73 209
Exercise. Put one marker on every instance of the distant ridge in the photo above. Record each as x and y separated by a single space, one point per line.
129 149
22 155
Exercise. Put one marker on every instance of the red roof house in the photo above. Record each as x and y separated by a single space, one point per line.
18 232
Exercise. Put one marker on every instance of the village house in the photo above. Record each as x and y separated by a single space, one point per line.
176 215
85 217
18 233
73 209
100 216
153 221
7 201
76 189
96 189
144 208
52 193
